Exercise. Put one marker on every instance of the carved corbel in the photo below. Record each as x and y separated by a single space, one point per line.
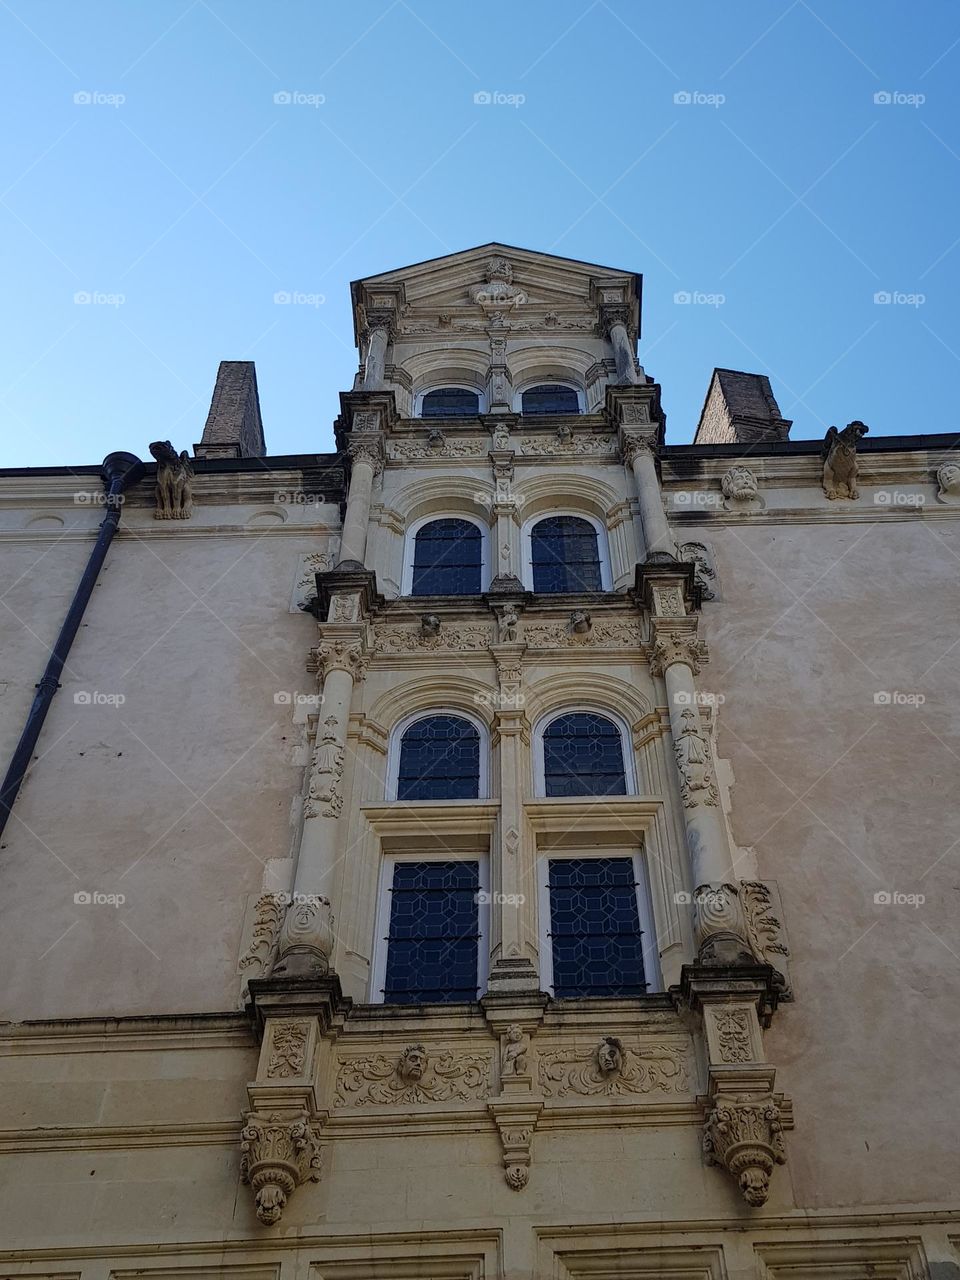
278 1153
516 1122
744 1135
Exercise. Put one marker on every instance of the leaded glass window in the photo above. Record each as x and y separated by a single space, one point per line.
433 935
450 402
565 555
439 760
447 558
595 934
583 756
549 398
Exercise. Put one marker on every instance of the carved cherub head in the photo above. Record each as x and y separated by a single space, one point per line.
610 1056
430 624
740 484
412 1064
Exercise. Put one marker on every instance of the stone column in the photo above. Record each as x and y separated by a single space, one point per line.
505 553
638 454
366 453
375 363
306 935
615 321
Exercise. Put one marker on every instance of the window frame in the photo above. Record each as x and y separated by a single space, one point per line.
526 544
651 970
447 386
626 747
547 381
396 739
410 551
381 924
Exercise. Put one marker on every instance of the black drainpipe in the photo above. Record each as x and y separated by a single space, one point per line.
117 472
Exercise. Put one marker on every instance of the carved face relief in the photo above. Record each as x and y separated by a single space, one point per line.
948 478
740 485
413 1063
610 1056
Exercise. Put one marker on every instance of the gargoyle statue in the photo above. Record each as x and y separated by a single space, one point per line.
840 460
174 482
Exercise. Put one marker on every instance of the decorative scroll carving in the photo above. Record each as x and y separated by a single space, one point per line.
306 937
278 1152
308 566
668 602
405 639
174 489
604 634
613 1069
268 917
324 797
576 444
719 926
744 1135
733 1034
340 655
367 449
705 574
412 450
697 784
840 460
764 927
676 646
414 1077
288 1049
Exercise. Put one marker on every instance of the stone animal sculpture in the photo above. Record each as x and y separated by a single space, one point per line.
840 460
174 482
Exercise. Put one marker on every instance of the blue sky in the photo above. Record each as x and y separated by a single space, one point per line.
783 197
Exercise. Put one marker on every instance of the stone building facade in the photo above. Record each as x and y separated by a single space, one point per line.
507 847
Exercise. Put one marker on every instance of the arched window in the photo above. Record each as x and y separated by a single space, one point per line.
565 555
450 402
583 756
447 558
439 759
550 397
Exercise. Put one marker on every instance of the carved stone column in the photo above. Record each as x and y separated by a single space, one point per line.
615 322
517 1105
499 382
306 935
375 361
506 532
512 910
366 453
638 453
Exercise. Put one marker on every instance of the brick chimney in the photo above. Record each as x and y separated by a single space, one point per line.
234 427
740 408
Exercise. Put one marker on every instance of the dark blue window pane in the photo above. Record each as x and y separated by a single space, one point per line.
446 559
550 398
450 402
583 756
565 555
439 760
433 938
595 928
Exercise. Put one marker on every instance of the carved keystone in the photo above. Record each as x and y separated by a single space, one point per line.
278 1152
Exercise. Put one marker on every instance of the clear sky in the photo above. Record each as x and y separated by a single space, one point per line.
178 194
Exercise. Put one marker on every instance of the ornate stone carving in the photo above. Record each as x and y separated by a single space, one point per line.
306 937
676 646
345 608
515 1045
948 483
840 460
340 655
603 633
268 917
516 1121
580 622
413 1077
308 566
668 602
498 288
412 450
720 928
288 1049
324 797
733 1034
429 626
705 575
613 1069
764 927
744 1135
278 1152
697 785
575 443
508 624
367 449
741 489
174 487
406 639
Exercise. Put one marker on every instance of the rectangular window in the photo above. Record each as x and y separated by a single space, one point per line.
433 933
596 942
